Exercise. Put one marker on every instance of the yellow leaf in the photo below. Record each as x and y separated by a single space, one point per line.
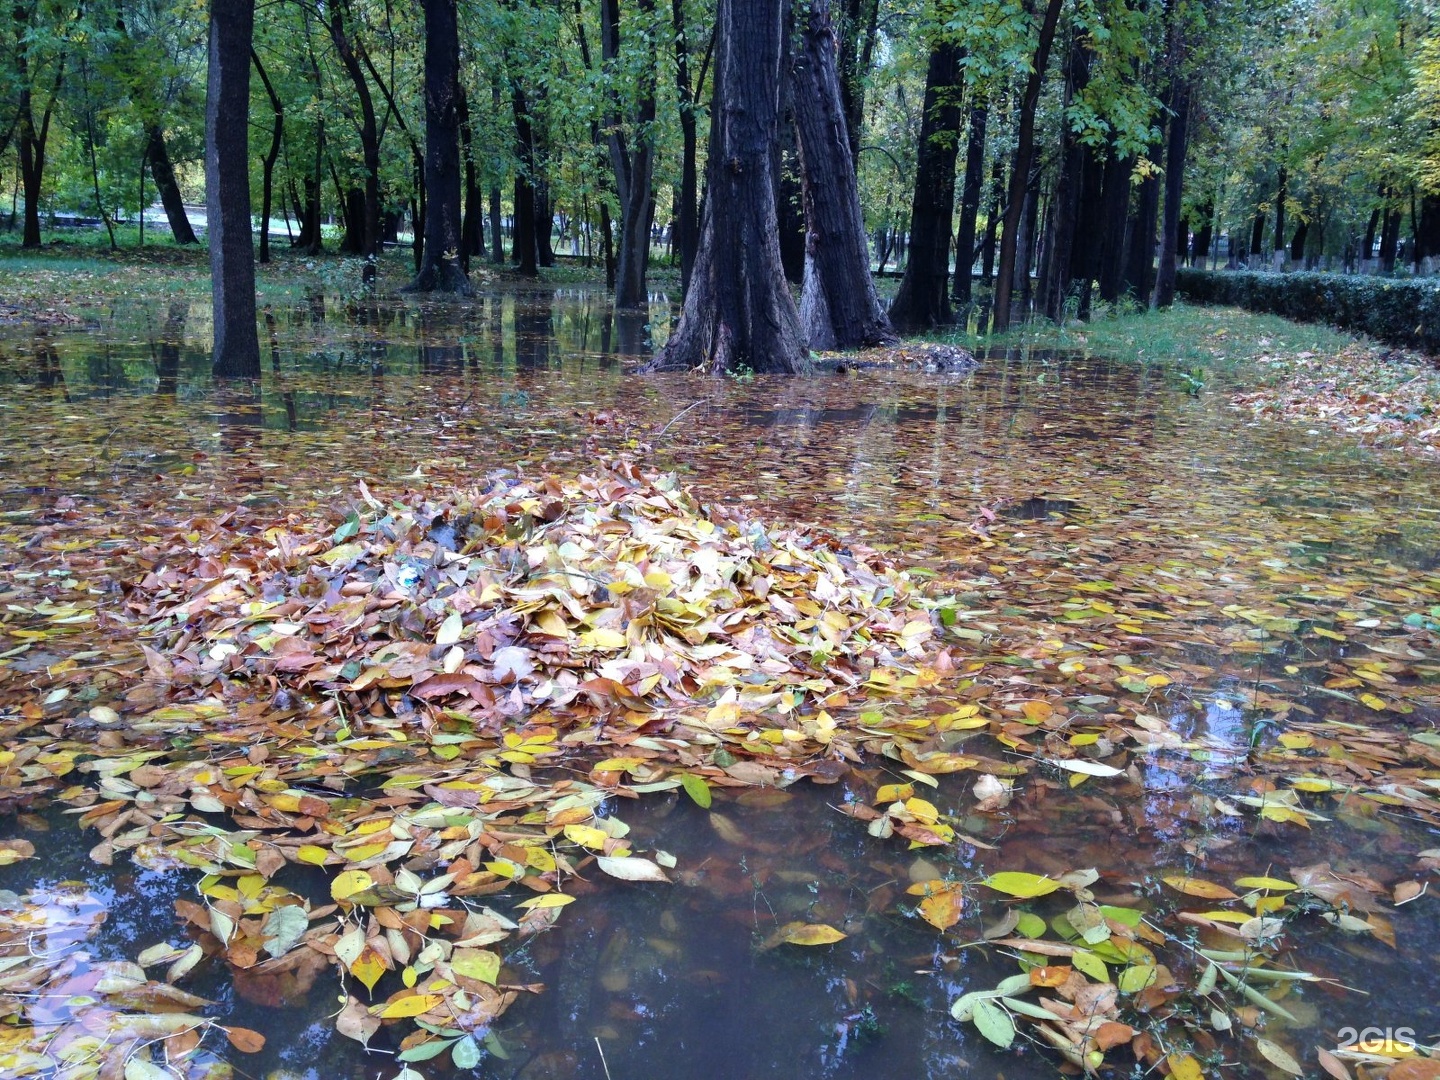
368 967
603 638
943 909
586 836
1277 884
1025 886
799 933
1184 1067
1376 703
480 964
1197 887
310 853
349 883
410 1005
548 900
1037 712
890 793
1293 740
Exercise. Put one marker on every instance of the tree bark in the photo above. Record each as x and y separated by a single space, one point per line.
367 235
272 155
1020 171
838 305
441 270
859 30
1279 238
739 314
1114 204
633 164
687 224
163 173
227 190
970 203
923 300
524 249
33 137
1172 231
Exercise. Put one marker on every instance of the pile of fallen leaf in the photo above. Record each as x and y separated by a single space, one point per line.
567 598
62 1012
1379 397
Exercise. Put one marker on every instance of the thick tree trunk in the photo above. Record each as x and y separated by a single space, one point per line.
923 300
441 270
163 173
970 203
1139 280
1065 203
1114 204
838 305
1020 171
1257 234
524 249
227 190
739 314
1173 231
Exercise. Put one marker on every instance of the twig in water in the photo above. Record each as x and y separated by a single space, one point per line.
603 1064
678 415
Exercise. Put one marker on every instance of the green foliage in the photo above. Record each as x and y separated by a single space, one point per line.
1405 313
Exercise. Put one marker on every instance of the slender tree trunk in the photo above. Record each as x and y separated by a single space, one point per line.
368 232
633 164
739 314
267 181
227 190
923 300
1172 231
472 227
859 30
33 137
441 270
838 305
1020 171
970 203
687 224
163 173
1114 202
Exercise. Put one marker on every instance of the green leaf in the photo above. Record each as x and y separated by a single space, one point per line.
425 1051
284 928
1030 925
465 1054
994 1023
697 789
1091 965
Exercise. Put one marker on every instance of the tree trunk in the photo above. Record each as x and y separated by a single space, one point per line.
1257 234
859 30
970 203
1020 171
368 232
163 174
472 228
923 300
1389 237
633 165
1065 203
1139 279
1114 204
739 314
789 192
687 230
1172 231
524 250
272 155
441 270
227 190
1279 239
838 305
33 137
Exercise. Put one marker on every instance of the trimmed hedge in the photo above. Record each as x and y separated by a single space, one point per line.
1399 312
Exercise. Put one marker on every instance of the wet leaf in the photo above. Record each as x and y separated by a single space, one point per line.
994 1023
407 1006
800 933
1192 886
631 869
697 789
1278 1056
245 1040
1019 884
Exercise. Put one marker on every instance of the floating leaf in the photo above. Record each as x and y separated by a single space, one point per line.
799 933
1192 886
349 883
480 964
994 1023
631 869
1278 1056
244 1039
1020 884
407 1006
697 789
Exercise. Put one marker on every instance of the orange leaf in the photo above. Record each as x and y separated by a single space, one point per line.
245 1040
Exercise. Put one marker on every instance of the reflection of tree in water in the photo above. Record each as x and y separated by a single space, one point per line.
534 330
237 408
48 373
438 334
167 352
632 333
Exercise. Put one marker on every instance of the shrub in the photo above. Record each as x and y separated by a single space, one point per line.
1398 312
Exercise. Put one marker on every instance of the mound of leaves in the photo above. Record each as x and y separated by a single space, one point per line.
613 592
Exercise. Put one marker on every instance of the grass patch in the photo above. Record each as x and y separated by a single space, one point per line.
1188 337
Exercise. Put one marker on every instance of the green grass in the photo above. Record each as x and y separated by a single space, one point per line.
1188 337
